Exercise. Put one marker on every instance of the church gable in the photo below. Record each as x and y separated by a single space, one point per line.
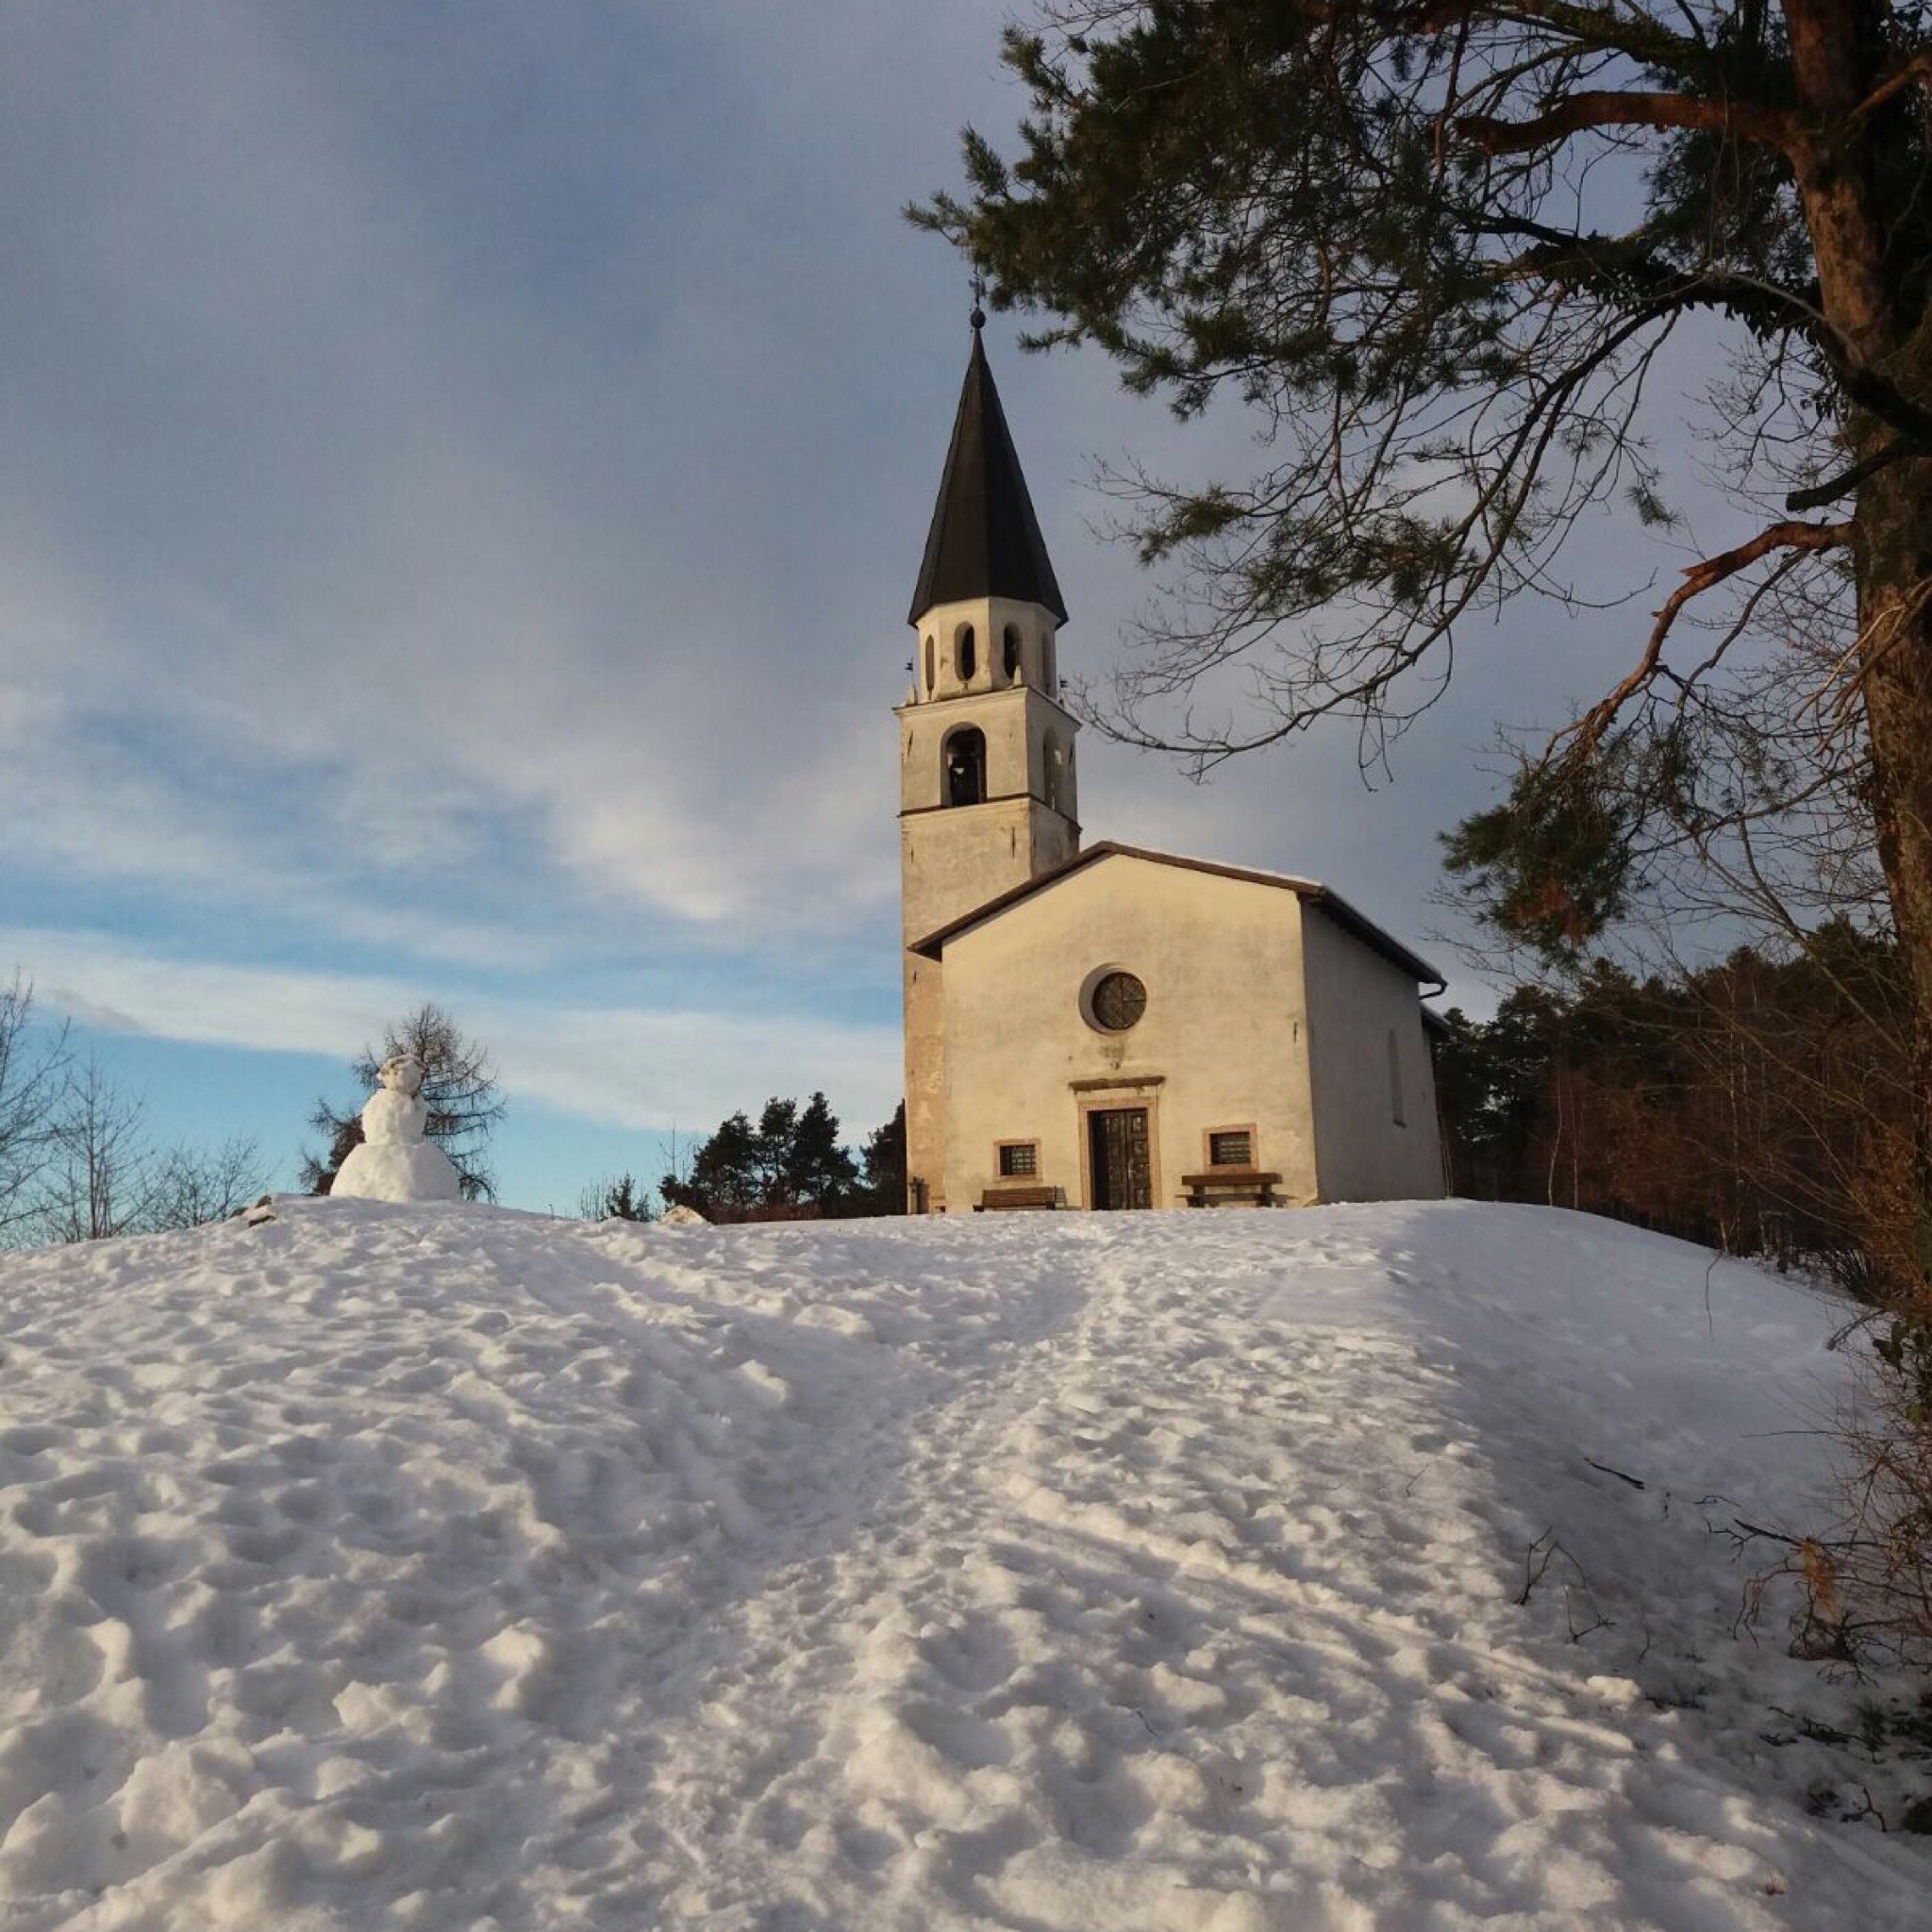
1138 1012
1336 909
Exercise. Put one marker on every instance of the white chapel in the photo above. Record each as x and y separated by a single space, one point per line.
1104 1027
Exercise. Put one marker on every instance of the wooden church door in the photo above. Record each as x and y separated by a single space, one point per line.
1118 1157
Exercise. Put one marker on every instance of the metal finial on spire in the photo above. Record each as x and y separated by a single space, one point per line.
979 316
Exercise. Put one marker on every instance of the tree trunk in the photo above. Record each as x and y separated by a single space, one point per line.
1556 1143
1894 560
1837 51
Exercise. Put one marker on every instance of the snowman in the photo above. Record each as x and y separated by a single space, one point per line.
395 1163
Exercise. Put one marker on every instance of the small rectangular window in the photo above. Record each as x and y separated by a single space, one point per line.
1395 1080
1019 1160
1233 1147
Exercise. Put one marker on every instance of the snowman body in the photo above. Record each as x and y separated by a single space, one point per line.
395 1162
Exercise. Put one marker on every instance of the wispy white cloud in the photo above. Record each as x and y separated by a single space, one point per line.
643 1069
329 462
76 800
400 566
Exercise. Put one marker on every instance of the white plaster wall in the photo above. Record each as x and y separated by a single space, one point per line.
955 859
1355 1000
1222 1033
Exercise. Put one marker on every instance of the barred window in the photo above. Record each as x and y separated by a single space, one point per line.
1019 1159
1234 1147
1119 1000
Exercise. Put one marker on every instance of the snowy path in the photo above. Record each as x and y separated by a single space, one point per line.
447 1568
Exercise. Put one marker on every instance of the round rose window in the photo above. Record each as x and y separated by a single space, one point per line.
1119 1000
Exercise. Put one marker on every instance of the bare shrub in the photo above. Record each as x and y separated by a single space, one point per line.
1884 1566
98 1180
190 1186
98 1174
33 1071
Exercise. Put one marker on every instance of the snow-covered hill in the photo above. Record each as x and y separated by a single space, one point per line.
440 1567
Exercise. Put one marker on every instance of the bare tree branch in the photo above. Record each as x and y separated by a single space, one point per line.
1698 579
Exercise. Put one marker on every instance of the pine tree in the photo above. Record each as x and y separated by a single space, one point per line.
818 1169
885 1165
727 1171
791 1160
778 1132
344 1133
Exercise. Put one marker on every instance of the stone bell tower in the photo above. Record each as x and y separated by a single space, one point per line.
987 797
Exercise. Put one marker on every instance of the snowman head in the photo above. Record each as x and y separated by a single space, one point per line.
402 1073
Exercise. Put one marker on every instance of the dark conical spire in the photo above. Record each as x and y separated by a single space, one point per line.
985 540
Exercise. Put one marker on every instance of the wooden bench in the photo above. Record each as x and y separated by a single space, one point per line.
1225 1187
1018 1197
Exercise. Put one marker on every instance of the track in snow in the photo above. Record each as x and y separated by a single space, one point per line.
455 1567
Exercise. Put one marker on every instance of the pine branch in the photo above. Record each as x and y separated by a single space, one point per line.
1618 267
1918 69
1596 109
1819 494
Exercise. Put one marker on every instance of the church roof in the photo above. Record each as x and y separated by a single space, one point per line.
1310 891
985 540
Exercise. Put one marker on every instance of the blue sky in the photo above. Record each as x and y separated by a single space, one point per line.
462 471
